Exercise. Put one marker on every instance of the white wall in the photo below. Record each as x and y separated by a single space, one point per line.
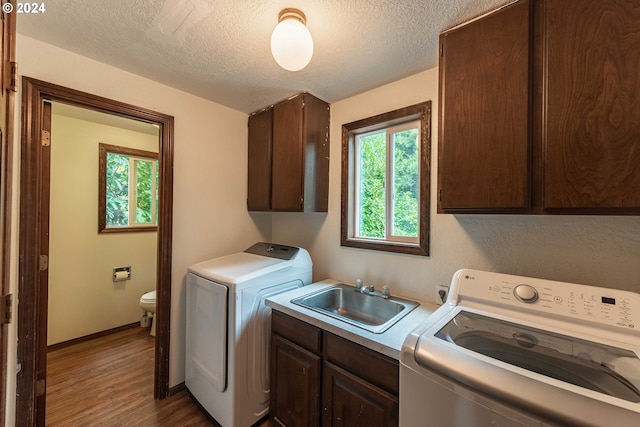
596 250
83 299
210 173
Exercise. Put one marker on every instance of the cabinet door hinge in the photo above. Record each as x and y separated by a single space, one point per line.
442 49
43 262
440 195
41 387
11 79
6 309
45 138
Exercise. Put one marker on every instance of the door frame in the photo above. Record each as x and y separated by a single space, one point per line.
33 241
7 99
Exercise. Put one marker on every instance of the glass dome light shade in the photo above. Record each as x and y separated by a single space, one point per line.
291 41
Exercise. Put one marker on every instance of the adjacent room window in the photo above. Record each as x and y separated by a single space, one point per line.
385 181
128 189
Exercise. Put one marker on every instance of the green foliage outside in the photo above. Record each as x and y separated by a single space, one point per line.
373 154
144 191
405 203
117 190
372 184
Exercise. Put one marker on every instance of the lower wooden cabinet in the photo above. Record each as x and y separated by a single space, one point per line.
295 395
320 379
348 400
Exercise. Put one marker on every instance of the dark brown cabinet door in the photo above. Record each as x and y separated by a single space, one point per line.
316 156
295 385
259 178
288 155
592 93
484 142
350 401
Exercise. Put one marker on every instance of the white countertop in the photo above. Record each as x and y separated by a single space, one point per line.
388 343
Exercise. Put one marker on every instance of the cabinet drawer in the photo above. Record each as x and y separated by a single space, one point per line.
296 331
374 367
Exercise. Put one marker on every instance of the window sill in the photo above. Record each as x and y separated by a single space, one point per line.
397 247
128 229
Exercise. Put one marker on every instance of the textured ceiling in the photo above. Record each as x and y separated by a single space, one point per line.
219 49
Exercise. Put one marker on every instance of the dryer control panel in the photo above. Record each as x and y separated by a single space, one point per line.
273 250
602 305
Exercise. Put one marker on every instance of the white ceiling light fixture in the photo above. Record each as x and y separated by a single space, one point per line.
291 42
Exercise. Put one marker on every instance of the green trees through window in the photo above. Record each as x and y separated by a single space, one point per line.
372 185
128 189
117 197
146 198
406 156
388 176
385 181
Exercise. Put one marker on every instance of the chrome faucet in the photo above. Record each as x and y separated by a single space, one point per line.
371 290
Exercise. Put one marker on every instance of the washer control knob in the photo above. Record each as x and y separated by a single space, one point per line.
526 293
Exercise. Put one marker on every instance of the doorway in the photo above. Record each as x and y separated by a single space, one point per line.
34 238
84 297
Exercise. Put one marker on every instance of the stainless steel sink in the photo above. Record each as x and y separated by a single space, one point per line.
343 302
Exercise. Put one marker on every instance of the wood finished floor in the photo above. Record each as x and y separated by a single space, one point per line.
108 381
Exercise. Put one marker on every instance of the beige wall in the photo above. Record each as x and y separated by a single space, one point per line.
210 174
83 299
595 250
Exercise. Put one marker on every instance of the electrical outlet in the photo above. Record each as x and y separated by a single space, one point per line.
442 291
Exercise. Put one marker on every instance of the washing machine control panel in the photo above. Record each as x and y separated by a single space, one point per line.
590 303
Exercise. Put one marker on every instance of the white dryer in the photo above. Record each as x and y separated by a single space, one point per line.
228 328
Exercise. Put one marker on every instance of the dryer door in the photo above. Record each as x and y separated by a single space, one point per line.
206 338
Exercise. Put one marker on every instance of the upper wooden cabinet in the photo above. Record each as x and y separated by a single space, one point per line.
591 93
259 194
539 110
289 156
483 160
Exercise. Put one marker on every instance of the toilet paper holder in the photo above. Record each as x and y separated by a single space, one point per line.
121 273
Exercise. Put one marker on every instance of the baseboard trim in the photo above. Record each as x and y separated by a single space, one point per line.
176 389
92 336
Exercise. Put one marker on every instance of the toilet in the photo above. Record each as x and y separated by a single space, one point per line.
148 304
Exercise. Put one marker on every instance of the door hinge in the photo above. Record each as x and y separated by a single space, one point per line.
46 138
13 77
41 387
6 309
441 49
43 262
440 195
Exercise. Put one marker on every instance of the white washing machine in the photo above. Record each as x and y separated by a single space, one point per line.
228 328
507 351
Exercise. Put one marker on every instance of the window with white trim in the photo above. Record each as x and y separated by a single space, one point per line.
385 185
